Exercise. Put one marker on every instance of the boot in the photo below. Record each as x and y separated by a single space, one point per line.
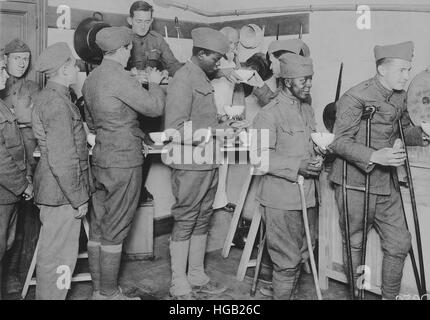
268 290
196 271
94 263
179 256
284 284
116 296
110 261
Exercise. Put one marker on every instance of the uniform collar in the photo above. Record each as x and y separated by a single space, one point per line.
288 98
10 83
195 68
386 93
112 63
137 37
61 89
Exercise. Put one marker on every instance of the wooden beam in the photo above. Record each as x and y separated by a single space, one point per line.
288 24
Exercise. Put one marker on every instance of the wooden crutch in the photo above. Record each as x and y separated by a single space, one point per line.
300 182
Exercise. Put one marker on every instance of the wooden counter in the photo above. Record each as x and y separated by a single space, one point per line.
330 240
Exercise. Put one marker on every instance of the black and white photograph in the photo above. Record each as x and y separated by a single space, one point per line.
225 153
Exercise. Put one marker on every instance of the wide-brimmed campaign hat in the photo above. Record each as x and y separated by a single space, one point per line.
251 36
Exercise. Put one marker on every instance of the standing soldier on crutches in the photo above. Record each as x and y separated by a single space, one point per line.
383 101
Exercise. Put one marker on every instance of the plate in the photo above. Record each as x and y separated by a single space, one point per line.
419 98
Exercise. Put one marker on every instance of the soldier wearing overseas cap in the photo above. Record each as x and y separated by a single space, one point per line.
19 95
289 120
386 92
61 177
190 101
275 50
14 171
113 99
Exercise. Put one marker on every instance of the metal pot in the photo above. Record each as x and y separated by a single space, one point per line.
85 39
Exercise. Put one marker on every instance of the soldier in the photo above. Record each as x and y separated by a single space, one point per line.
61 177
149 47
19 95
113 99
385 92
149 50
14 170
290 121
194 184
276 49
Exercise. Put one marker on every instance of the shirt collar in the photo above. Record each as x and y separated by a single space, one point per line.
61 89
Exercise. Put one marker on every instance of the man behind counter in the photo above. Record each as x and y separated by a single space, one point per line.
149 50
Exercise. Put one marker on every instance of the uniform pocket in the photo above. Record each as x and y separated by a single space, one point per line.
11 135
154 55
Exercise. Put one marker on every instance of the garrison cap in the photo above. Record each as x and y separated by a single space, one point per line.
207 38
295 66
53 57
112 38
403 50
293 45
16 45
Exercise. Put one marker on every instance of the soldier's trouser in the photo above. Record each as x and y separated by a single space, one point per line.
194 192
284 238
7 232
57 252
114 203
386 215
27 233
114 206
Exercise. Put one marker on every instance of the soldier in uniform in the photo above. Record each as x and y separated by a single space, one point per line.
289 120
14 171
113 99
190 100
276 49
149 50
386 92
149 47
61 177
19 95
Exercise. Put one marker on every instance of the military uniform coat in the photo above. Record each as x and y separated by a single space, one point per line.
113 99
350 134
290 123
190 100
19 95
13 166
61 176
150 50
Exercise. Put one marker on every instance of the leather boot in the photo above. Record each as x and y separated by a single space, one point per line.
196 271
179 255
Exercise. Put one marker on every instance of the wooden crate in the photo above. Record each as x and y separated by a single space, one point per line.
139 244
